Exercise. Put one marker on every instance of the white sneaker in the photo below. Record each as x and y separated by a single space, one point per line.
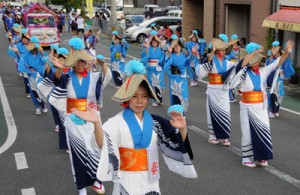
38 111
98 187
248 163
154 104
193 83
45 110
271 115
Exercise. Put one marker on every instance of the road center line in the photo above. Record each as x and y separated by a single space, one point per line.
11 125
21 160
295 182
28 191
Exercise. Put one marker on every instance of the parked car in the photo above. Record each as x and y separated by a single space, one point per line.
133 20
175 13
169 8
140 32
148 6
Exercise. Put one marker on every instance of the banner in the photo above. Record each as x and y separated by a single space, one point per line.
89 5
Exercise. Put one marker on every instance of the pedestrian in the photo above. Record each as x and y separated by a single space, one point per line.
129 141
62 20
219 71
243 42
255 126
118 50
81 89
275 81
179 29
9 21
152 57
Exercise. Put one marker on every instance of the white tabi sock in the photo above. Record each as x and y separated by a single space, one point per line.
83 191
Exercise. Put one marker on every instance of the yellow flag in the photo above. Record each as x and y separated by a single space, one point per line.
89 5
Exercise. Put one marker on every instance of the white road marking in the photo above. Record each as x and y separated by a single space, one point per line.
12 129
21 160
28 191
295 182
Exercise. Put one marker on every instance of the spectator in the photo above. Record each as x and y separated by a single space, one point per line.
80 22
179 29
167 32
242 42
62 19
9 21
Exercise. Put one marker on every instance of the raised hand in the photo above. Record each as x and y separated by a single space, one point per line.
146 44
177 120
56 62
90 115
289 46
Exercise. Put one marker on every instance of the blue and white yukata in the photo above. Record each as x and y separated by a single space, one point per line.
255 125
154 131
34 66
84 153
153 61
175 66
275 83
46 86
232 57
217 104
118 55
195 59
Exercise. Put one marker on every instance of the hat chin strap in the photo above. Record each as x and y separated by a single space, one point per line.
127 85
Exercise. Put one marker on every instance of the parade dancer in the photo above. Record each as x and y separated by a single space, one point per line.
80 89
200 45
46 86
219 72
32 63
276 79
175 65
130 140
152 57
256 135
118 50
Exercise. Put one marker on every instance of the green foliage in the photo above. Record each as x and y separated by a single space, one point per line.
269 38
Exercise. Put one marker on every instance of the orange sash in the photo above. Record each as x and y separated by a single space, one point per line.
133 159
79 104
215 79
252 97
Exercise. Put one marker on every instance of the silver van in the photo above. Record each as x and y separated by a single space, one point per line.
139 33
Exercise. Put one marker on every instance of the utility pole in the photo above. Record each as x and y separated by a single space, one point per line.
113 19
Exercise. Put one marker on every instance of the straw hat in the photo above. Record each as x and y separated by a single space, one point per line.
132 83
242 53
176 40
63 51
115 35
194 34
153 35
257 58
276 46
34 43
24 32
77 53
17 28
234 39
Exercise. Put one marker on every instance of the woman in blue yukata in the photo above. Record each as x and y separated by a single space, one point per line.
118 50
131 140
152 57
276 79
176 65
32 63
200 46
18 49
80 89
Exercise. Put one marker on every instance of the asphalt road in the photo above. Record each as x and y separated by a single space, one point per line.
219 169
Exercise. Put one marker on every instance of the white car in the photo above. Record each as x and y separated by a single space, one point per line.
139 33
175 13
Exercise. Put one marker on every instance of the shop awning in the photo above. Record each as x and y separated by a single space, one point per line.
287 18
